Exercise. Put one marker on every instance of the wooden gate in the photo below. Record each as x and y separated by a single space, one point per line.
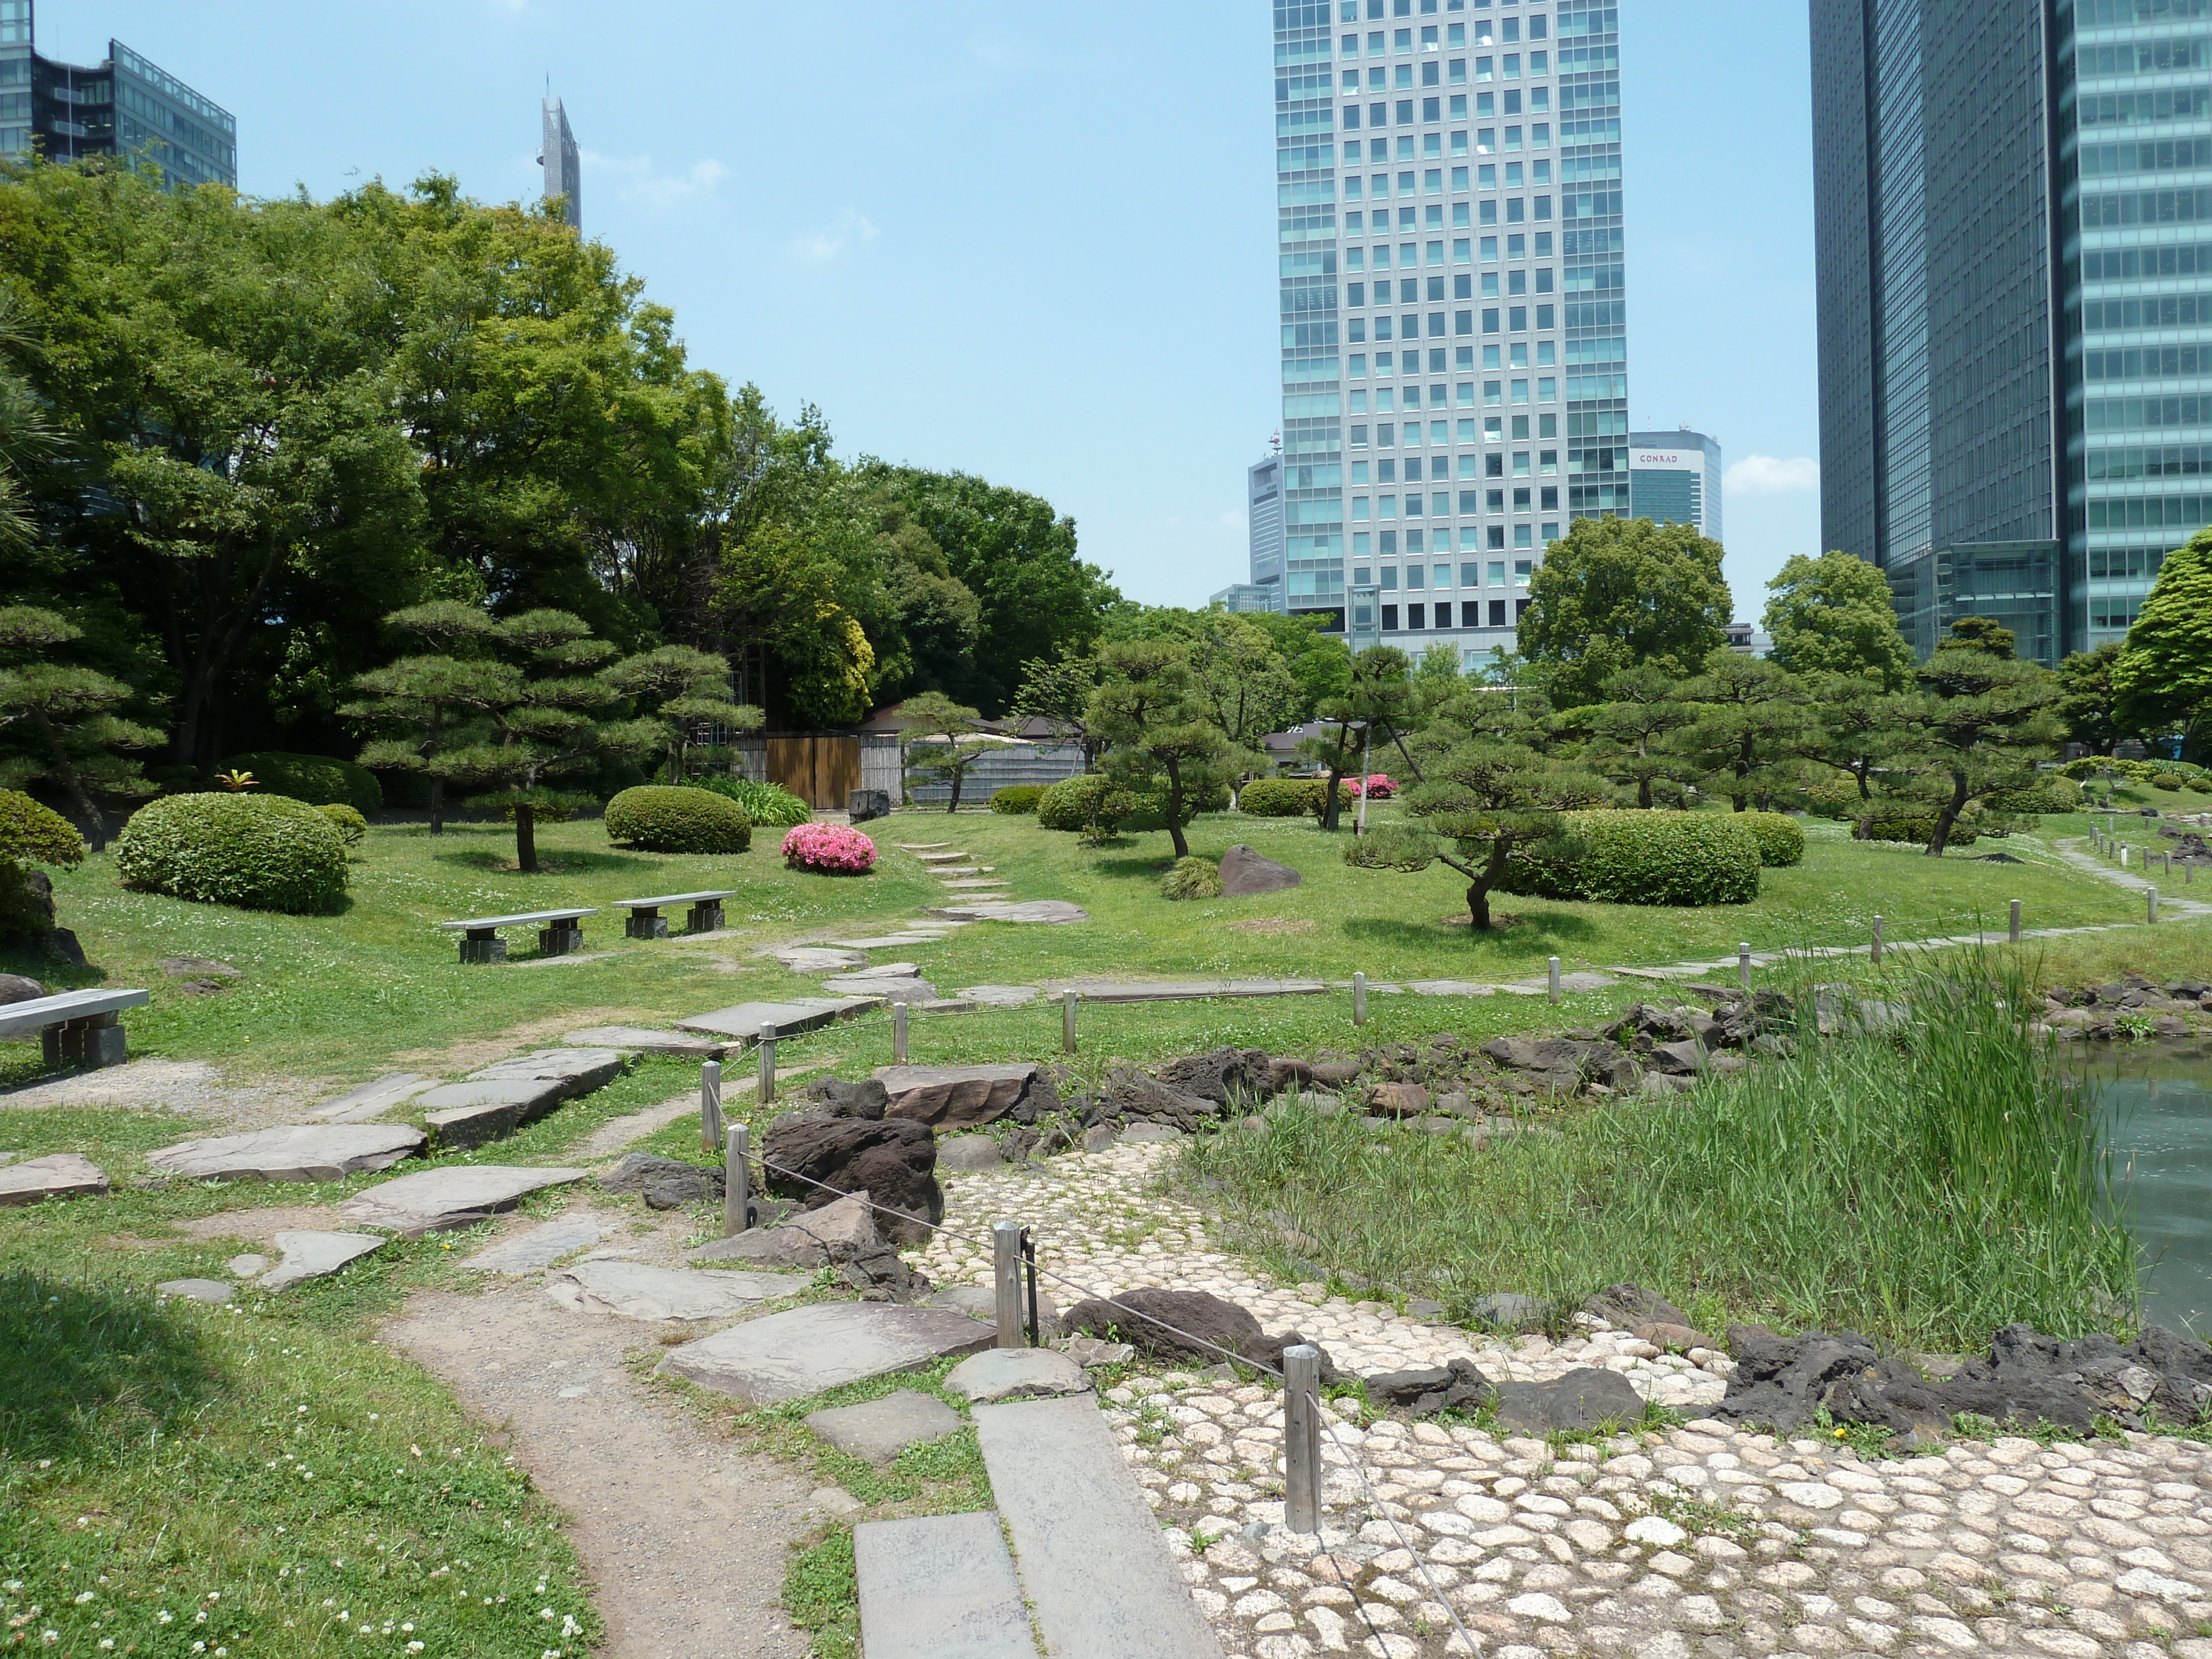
821 771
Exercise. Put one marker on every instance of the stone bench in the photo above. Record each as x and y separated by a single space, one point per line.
646 921
557 932
79 1028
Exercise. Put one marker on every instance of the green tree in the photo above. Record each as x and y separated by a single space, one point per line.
942 739
1834 614
1378 700
1150 708
1618 593
1319 661
1628 732
2090 702
59 723
25 435
681 689
1058 693
425 701
2164 677
1851 724
1750 714
1245 684
1983 634
1979 723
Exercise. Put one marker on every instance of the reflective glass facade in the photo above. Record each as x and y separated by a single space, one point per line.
1674 478
124 106
1453 303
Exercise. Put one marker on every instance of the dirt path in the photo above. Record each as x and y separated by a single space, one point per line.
685 1540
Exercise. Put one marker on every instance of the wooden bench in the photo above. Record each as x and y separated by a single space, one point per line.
79 1027
646 921
557 932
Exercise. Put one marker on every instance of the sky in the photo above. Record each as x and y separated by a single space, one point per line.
1031 242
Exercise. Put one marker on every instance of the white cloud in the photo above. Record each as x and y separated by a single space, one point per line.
817 247
640 180
1233 520
1766 475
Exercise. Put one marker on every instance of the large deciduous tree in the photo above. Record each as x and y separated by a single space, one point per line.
1834 614
2163 676
1616 593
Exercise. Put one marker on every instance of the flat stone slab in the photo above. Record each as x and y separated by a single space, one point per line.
891 990
298 1152
473 1114
981 882
215 1290
1449 987
635 1290
538 1247
1579 982
879 1429
788 1356
861 976
956 1096
1000 996
939 1587
816 959
641 1040
921 846
58 1175
891 941
745 1020
578 1071
1017 1374
373 1099
315 1256
433 1201
935 857
1050 912
1195 990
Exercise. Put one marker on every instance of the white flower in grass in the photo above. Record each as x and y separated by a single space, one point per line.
414 1647
164 1617
545 1612
106 1642
83 1596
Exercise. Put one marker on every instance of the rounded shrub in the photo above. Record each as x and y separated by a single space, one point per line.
829 848
352 828
1151 811
1918 828
765 804
257 851
33 834
2050 793
1615 857
1018 799
2168 781
2201 783
658 817
1192 878
1279 797
1092 801
1781 839
317 780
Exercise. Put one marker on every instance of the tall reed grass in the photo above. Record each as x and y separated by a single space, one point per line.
1923 1187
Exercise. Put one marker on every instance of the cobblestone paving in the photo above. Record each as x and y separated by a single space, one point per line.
1701 1541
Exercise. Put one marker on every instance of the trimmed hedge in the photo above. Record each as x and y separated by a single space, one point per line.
1781 839
1192 878
1280 798
34 833
659 818
1615 857
764 803
2049 794
352 828
1152 808
317 780
1917 828
1075 804
257 851
1018 799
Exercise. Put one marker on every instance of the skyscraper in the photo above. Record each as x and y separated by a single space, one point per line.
2014 213
563 163
1675 478
1454 358
122 105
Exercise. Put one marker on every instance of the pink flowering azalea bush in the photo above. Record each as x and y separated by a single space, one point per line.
829 848
1379 785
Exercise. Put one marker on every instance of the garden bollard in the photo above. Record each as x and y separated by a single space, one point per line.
1359 999
765 1091
1743 966
2015 921
2151 906
1301 1437
1007 1276
737 1183
710 1105
1876 954
2123 855
1554 973
898 1034
1067 1022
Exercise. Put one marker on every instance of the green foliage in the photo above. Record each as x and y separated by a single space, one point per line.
256 852
2050 793
1980 721
2129 771
1834 614
1091 804
2091 704
1629 734
33 834
1892 820
1618 594
1781 838
1379 701
59 719
680 690
2168 781
1192 878
317 780
1152 708
352 828
663 818
941 739
1687 859
1018 799
1280 798
1150 810
1751 719
768 804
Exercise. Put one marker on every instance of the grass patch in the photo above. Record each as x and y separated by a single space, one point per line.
1924 1188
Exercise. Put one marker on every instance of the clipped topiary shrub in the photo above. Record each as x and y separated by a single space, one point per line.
2201 783
1781 839
317 780
1192 878
829 848
765 804
352 828
2168 781
1899 823
1280 798
658 817
1093 803
1018 799
2048 794
257 851
31 834
1687 858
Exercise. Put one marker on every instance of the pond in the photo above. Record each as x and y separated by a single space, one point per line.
2158 1099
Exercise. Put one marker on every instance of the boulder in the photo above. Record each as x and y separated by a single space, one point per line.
818 1159
1628 1306
813 1239
1565 1063
15 987
1676 1336
58 1175
1227 1076
1129 1094
1245 873
664 1183
1398 1100
319 1151
964 1097
864 805
866 1099
1782 1382
1186 1325
1581 1399
1425 1391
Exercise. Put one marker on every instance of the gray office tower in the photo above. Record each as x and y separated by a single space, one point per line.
1674 478
563 163
2015 249
1454 326
122 105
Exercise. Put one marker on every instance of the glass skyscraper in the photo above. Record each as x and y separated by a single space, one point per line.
1453 307
124 105
1674 478
2015 223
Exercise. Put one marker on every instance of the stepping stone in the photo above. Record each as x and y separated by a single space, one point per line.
942 858
300 1151
1050 912
816 959
800 1014
879 1429
578 1071
921 846
1193 990
882 971
991 882
540 1246
635 1290
908 991
1001 996
214 1290
1567 982
942 1005
248 1266
788 1356
372 1099
891 941
462 1114
315 1256
1449 987
640 1040
58 1175
197 967
437 1201
1017 1374
941 1586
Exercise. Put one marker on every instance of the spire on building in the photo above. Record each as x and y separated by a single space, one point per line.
563 164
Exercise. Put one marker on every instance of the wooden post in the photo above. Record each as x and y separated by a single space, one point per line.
737 1182
765 1093
1007 1275
1067 1022
1359 999
898 1034
1301 1437
2015 921
1554 972
710 1105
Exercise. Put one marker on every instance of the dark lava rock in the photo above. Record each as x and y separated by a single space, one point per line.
1282 1073
1227 1076
835 1097
664 1183
1133 1094
1582 1399
1630 1305
1186 1325
817 1159
1335 1074
1425 1391
15 987
1564 1060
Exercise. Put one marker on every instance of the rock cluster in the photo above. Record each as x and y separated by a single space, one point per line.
1186 1325
843 1235
842 1142
664 1183
2101 1013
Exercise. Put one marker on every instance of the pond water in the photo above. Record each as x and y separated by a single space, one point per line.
2159 1104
